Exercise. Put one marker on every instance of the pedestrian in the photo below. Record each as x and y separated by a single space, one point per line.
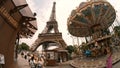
31 63
40 62
109 61
39 65
25 56
29 58
22 54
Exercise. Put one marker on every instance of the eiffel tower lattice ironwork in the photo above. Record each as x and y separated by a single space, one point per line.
47 35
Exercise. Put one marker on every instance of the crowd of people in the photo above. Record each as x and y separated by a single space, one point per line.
35 61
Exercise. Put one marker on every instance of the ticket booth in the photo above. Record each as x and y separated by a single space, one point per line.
50 57
54 57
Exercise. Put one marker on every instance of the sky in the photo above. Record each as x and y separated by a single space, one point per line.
63 10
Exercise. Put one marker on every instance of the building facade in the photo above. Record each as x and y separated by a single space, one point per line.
14 23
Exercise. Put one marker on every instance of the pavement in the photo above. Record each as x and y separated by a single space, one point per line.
96 63
78 62
117 65
22 63
60 66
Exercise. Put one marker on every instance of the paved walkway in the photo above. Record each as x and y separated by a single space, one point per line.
22 63
60 66
97 63
77 63
117 65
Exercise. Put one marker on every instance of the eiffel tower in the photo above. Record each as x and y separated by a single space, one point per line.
47 37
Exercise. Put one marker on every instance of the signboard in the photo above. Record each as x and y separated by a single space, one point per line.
2 59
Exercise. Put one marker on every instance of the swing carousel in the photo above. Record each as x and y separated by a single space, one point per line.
93 19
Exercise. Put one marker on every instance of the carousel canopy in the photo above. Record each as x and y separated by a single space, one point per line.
89 16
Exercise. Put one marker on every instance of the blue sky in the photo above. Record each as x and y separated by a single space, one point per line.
63 9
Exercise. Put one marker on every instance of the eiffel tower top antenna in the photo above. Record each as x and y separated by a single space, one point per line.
53 13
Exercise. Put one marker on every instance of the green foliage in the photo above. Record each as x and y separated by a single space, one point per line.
23 46
76 49
84 47
70 49
106 31
117 30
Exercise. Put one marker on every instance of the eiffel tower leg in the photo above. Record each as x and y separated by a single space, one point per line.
56 28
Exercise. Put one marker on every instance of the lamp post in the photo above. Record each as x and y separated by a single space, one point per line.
78 40
73 40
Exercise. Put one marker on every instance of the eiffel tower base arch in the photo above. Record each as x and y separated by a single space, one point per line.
52 37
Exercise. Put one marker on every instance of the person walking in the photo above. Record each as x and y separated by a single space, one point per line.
32 64
22 54
109 61
40 62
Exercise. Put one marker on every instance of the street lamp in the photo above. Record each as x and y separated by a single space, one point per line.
73 40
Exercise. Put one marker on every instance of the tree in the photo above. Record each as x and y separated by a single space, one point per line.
23 46
117 30
70 49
